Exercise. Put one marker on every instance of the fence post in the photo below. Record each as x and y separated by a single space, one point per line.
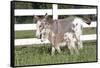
54 11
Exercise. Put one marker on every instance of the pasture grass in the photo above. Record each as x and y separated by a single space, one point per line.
91 30
38 55
32 34
25 34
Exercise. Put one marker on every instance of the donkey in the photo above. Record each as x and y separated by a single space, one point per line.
54 30
59 39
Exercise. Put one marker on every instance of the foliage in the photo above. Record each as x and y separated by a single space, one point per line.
23 5
32 5
68 6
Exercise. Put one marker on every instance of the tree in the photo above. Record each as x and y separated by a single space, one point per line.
23 5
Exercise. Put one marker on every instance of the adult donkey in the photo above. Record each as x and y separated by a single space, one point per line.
54 30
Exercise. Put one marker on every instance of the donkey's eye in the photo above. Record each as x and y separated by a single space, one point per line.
40 26
76 24
44 33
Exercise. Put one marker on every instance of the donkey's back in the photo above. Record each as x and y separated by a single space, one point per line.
62 25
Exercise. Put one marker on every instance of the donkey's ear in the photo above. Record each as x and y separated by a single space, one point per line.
46 15
87 19
36 17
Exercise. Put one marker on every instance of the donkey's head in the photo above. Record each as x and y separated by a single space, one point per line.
41 25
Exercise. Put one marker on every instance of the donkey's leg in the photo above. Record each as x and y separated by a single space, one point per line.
70 48
81 45
53 50
74 48
53 45
58 49
79 42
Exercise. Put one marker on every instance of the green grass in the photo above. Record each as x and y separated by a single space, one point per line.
89 31
37 55
25 34
32 34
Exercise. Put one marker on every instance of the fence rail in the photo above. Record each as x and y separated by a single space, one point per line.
25 12
38 41
29 41
33 26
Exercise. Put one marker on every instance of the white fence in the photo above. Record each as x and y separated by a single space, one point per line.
38 41
19 27
25 12
55 12
29 41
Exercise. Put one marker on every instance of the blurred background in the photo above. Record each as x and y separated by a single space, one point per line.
30 5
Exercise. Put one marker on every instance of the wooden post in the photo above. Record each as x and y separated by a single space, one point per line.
54 11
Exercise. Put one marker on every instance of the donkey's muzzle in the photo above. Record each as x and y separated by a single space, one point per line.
40 36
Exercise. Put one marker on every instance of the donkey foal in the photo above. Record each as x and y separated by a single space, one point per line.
60 39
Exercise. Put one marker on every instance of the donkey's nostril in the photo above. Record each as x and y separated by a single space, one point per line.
40 36
41 40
